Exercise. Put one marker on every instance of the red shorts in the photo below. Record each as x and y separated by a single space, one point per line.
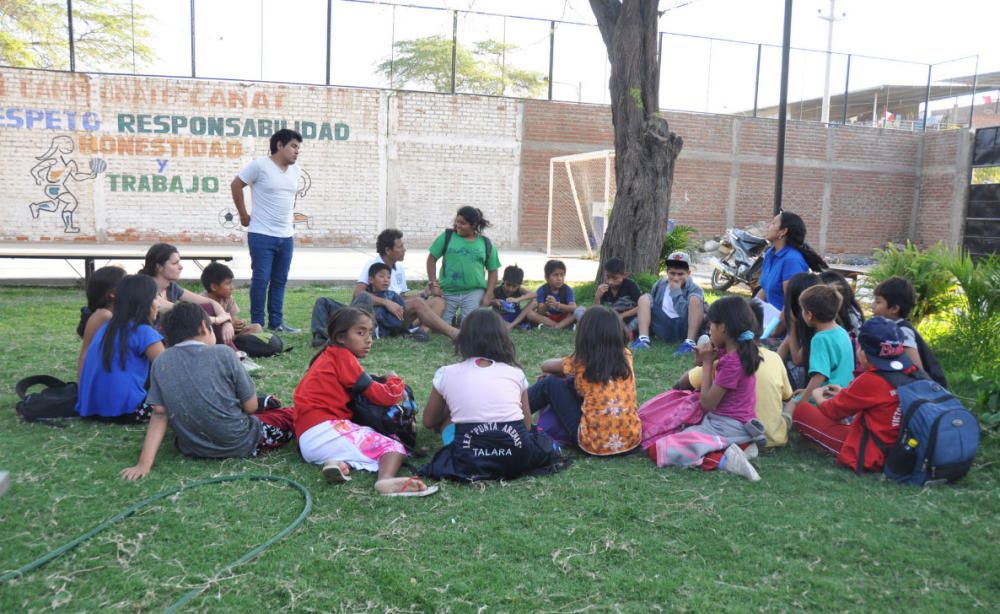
557 317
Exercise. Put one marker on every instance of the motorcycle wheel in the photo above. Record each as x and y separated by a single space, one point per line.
721 281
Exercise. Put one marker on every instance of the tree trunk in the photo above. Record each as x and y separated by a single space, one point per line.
645 149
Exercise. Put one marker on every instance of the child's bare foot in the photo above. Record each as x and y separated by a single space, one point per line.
404 487
336 471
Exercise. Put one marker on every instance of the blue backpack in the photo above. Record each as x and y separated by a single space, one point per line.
938 436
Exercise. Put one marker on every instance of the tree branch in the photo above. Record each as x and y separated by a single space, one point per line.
606 12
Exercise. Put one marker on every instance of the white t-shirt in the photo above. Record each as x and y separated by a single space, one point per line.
273 194
668 305
482 394
397 283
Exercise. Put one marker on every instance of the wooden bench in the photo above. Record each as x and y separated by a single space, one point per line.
91 256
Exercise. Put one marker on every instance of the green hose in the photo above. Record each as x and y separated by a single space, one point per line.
306 509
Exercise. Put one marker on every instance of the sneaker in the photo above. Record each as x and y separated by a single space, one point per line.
284 328
250 365
751 451
735 462
686 348
420 336
640 344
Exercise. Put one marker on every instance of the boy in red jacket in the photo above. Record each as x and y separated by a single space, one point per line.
869 399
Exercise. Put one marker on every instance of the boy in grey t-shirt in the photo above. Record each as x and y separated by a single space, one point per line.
206 396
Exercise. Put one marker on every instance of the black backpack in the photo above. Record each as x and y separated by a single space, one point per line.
261 344
397 421
56 401
448 232
931 365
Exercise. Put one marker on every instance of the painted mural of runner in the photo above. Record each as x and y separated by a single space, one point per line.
54 170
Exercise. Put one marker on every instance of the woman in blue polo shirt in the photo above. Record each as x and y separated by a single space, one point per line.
788 255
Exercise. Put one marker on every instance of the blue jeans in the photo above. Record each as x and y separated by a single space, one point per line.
270 259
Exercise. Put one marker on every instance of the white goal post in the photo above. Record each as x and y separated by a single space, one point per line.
591 213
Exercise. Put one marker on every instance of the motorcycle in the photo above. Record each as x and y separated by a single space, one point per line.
742 260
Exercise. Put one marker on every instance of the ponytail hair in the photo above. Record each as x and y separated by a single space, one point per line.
100 288
475 218
796 237
798 284
735 314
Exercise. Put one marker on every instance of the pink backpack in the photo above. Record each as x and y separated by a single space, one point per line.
668 413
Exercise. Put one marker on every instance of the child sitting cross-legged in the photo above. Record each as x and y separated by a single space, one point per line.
217 279
728 396
323 425
100 303
591 393
555 300
480 407
509 296
204 394
870 399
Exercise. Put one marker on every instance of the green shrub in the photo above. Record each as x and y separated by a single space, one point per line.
645 280
681 238
931 280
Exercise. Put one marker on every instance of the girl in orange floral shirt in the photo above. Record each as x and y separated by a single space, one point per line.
596 405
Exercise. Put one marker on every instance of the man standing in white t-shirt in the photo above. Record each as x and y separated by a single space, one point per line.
273 181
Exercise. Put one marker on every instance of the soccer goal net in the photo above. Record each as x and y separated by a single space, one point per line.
581 194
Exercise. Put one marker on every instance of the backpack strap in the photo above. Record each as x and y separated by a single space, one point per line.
866 434
363 383
21 388
489 250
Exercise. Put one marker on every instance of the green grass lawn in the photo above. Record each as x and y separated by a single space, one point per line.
605 535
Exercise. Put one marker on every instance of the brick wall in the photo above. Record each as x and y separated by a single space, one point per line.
855 187
376 159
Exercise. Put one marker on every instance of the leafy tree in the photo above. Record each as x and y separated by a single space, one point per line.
426 62
33 34
645 148
986 174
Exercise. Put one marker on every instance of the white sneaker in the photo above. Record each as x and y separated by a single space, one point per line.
751 451
735 462
250 365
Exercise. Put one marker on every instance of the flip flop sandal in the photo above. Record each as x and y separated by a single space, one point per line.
402 492
334 474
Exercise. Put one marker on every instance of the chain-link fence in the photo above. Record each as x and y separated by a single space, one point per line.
362 43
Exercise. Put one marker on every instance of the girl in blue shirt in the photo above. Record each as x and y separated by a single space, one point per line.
113 378
788 255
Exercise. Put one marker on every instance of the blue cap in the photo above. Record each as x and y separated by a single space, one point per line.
882 342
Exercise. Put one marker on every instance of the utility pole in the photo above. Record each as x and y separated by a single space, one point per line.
830 19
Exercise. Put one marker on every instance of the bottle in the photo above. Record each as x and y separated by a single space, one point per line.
902 459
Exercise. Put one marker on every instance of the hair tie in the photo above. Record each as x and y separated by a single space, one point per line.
746 335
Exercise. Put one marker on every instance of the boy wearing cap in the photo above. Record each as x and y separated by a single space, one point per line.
870 399
674 310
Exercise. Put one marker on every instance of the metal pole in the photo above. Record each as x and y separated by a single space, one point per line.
825 116
847 85
756 81
72 45
779 170
975 83
454 47
329 36
659 62
194 73
927 96
552 50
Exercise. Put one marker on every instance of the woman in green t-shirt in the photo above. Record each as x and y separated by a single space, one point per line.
468 268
